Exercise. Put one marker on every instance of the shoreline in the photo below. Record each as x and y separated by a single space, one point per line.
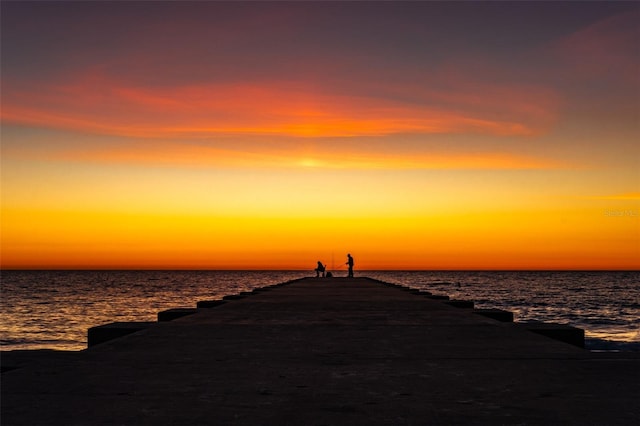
592 344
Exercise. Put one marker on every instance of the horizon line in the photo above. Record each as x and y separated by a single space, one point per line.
144 269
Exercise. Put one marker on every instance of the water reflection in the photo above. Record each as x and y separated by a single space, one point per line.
54 309
605 304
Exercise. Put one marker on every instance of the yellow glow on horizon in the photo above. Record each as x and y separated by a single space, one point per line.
112 213
498 240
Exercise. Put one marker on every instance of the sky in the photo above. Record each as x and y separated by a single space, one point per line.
268 135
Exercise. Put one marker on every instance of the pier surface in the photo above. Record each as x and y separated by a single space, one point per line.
327 352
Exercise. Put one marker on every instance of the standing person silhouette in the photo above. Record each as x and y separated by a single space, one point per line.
350 263
320 269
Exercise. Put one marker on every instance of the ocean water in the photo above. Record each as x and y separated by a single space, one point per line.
54 309
606 305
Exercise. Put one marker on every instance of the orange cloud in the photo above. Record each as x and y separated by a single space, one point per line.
96 104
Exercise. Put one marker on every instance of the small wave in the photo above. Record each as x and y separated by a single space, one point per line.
595 344
601 321
12 342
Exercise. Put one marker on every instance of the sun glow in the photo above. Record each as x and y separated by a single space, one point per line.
236 139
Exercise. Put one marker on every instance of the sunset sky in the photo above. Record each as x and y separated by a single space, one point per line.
421 135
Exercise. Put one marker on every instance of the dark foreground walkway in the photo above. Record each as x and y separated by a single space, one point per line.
328 352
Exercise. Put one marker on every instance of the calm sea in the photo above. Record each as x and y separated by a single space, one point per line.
54 309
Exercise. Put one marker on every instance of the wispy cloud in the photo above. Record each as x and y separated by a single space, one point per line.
628 196
607 48
187 155
98 104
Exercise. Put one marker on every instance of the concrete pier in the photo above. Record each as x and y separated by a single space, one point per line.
328 352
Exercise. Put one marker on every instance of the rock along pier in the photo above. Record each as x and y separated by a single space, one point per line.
327 352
